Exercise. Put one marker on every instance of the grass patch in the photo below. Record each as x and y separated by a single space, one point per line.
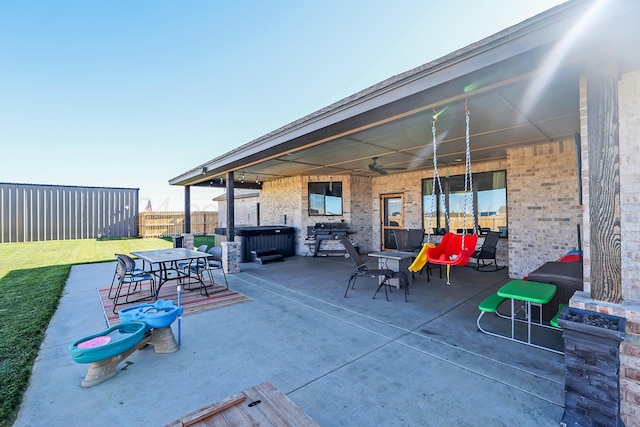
32 278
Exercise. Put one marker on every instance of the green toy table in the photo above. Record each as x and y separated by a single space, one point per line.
531 293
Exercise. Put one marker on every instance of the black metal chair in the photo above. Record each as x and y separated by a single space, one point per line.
402 240
126 273
115 279
361 269
185 265
487 252
416 238
214 262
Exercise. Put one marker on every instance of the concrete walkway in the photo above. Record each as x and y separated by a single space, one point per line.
349 361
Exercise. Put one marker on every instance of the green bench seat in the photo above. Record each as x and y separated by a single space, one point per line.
554 321
491 303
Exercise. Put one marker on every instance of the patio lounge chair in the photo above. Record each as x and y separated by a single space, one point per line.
361 269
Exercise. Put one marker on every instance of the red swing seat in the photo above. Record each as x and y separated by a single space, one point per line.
450 252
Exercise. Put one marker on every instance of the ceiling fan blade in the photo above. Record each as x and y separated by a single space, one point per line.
380 170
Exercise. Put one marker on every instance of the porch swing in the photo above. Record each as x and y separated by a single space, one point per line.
454 249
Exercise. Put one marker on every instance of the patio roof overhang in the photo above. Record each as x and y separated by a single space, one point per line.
522 87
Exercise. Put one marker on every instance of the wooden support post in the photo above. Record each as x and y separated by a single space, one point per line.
187 209
230 208
604 180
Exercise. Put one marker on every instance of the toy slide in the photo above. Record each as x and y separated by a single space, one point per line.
421 259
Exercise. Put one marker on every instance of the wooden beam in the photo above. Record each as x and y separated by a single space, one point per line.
604 179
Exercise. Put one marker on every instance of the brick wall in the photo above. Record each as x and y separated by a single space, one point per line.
543 210
361 221
629 116
281 197
542 194
284 197
410 185
290 196
245 209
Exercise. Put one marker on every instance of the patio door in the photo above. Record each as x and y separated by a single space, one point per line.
392 218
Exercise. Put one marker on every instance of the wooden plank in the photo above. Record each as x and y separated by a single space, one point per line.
262 405
264 409
202 413
235 417
294 415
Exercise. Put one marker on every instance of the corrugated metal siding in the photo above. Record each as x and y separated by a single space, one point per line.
31 212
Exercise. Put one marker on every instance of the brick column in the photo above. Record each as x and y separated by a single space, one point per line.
231 257
187 243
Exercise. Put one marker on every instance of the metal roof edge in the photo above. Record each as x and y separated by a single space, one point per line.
68 186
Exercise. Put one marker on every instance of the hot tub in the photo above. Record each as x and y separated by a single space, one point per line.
262 239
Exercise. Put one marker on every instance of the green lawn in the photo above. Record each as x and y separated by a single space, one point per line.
32 277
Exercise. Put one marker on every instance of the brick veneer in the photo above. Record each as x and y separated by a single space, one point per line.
245 209
231 257
543 210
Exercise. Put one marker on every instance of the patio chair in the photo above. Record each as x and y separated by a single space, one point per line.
487 252
402 240
127 275
209 265
416 238
183 265
114 279
361 269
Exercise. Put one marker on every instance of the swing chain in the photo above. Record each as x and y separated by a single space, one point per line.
468 177
468 164
436 179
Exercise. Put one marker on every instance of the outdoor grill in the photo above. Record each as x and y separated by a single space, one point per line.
322 231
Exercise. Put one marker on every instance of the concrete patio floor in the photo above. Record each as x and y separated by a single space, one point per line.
349 361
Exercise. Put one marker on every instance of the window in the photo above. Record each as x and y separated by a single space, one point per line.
489 198
325 198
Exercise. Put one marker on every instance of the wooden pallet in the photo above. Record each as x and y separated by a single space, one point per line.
262 405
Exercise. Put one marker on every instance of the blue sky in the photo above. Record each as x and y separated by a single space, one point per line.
132 93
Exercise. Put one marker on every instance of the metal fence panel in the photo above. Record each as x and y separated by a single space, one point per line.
33 212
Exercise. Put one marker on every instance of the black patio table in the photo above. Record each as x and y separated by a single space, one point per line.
168 269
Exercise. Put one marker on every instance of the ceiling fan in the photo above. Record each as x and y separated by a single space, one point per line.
377 168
